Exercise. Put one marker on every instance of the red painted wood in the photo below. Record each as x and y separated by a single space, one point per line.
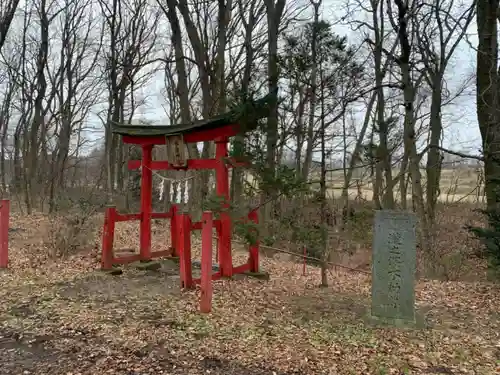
136 257
253 250
146 202
108 235
184 241
111 216
181 225
206 262
217 225
241 269
216 276
222 190
4 233
133 217
127 217
190 137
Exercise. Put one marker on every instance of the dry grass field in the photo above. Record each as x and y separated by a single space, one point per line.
457 185
60 315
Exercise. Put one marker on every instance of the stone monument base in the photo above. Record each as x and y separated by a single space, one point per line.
417 323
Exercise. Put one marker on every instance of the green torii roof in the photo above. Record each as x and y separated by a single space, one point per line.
245 115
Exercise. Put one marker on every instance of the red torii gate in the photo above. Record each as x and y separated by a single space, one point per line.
219 130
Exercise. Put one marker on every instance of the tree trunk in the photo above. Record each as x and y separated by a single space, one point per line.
409 124
274 13
434 157
488 97
383 153
355 155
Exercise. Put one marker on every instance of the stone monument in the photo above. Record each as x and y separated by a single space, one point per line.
394 266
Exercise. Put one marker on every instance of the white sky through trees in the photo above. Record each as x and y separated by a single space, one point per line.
459 118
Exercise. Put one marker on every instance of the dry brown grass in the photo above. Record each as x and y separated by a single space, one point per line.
62 316
456 185
460 185
454 254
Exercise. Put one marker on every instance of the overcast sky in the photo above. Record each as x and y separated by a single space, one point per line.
459 119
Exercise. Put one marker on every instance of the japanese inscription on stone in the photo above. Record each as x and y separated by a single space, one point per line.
394 262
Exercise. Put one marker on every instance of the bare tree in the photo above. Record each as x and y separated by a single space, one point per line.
77 89
132 27
249 15
31 156
10 92
8 10
404 60
35 101
313 93
382 43
440 28
207 26
274 12
487 80
384 164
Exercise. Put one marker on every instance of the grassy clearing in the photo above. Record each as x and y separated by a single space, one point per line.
456 185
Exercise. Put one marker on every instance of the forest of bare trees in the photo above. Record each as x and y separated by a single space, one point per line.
372 100
369 105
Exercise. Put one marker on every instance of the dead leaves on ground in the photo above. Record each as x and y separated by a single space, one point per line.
63 316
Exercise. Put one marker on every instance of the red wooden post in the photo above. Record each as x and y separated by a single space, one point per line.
253 259
4 233
206 262
173 230
222 190
108 235
146 202
184 248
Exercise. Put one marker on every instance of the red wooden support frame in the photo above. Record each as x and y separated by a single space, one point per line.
222 190
4 232
111 217
108 234
184 248
206 262
146 202
253 259
181 225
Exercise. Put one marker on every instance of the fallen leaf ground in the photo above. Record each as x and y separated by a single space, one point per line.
66 317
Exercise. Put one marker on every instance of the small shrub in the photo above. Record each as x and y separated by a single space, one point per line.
73 230
452 265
